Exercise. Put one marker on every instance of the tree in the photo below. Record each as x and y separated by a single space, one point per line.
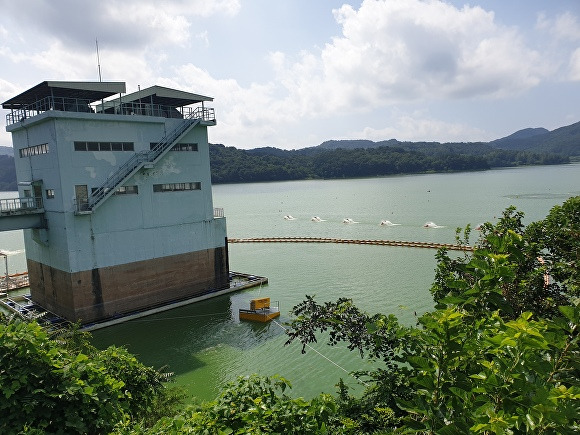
61 384
557 238
477 362
251 405
516 269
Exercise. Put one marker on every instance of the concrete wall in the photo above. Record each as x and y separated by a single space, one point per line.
107 292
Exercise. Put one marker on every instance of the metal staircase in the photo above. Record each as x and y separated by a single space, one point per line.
138 161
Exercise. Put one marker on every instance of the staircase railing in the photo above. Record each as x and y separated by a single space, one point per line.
138 160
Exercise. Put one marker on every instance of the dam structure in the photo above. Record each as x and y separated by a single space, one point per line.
114 198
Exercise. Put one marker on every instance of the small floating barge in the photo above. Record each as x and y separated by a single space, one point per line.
260 311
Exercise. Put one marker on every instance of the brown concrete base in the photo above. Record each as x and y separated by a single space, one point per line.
102 293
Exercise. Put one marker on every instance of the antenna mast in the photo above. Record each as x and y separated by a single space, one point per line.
98 59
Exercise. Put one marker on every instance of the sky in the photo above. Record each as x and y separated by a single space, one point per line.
294 73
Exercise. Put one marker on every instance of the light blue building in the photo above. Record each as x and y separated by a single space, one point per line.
117 197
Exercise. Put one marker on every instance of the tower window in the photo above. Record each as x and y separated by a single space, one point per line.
179 146
34 150
176 187
104 146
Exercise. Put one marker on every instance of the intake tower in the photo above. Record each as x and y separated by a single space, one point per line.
115 195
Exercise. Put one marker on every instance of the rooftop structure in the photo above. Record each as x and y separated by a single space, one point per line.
115 193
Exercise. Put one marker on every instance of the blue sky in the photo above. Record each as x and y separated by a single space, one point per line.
294 73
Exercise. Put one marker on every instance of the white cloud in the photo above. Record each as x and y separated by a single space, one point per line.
404 50
563 31
126 24
203 37
53 60
247 117
151 23
575 65
404 53
564 27
206 8
417 127
389 52
7 90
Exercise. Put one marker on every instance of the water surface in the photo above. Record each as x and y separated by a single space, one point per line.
206 345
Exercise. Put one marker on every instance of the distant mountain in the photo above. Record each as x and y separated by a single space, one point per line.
268 151
7 173
526 133
563 141
354 144
6 151
428 148
365 158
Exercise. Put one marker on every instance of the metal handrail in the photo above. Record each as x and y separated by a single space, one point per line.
81 105
49 103
27 203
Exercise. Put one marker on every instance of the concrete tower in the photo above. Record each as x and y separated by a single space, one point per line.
122 185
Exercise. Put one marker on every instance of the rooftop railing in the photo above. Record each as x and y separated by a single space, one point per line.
117 107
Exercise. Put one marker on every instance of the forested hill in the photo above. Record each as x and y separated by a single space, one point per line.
7 173
8 151
365 158
232 165
563 140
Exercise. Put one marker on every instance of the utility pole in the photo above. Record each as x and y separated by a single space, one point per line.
6 265
98 59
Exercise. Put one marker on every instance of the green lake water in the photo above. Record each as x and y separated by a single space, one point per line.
206 345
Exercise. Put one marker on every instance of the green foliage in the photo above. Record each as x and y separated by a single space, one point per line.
64 385
516 269
251 405
346 323
491 375
230 165
44 387
499 354
557 240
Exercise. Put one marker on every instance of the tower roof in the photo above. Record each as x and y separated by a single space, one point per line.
165 97
92 91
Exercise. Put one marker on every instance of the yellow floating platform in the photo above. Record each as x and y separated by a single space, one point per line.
260 311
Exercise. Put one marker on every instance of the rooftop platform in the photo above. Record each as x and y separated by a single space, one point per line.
95 97
89 91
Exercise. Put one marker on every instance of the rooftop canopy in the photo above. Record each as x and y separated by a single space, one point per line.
164 97
92 91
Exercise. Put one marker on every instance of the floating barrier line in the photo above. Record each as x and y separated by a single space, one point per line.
400 243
